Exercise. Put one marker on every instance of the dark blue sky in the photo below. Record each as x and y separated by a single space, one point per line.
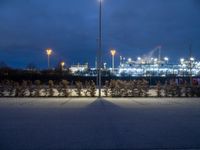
70 28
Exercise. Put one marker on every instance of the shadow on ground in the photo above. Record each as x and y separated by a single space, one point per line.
100 125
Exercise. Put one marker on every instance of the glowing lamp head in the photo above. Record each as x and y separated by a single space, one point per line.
166 58
139 58
113 52
62 63
182 60
49 52
192 59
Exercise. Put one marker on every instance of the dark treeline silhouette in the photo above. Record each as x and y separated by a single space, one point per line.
18 75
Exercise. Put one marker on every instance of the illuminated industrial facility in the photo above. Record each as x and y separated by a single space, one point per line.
157 67
142 68
148 65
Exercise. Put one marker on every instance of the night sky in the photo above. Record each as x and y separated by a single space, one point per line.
70 28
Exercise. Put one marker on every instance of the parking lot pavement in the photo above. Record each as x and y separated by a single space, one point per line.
90 123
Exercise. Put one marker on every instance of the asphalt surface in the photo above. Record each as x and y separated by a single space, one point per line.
90 123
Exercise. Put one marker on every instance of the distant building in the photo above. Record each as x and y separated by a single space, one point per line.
78 68
162 68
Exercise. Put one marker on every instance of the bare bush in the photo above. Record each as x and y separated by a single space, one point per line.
79 88
37 88
133 88
23 88
158 87
92 89
114 88
51 86
87 88
30 88
106 88
64 86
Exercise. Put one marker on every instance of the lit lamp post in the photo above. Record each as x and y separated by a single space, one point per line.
139 60
182 60
49 52
166 59
62 65
100 47
113 52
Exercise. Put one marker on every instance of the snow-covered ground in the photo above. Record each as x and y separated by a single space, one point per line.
90 123
72 93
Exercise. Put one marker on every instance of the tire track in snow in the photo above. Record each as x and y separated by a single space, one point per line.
65 102
138 102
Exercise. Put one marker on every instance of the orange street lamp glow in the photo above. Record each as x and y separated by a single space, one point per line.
62 65
113 52
49 53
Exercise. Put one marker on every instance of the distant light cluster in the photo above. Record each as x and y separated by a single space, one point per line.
156 67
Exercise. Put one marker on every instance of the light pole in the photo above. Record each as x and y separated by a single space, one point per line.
100 47
166 59
62 65
113 52
49 52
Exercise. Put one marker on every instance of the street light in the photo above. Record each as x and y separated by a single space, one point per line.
113 52
62 65
139 58
182 60
100 47
191 59
49 52
155 60
166 59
